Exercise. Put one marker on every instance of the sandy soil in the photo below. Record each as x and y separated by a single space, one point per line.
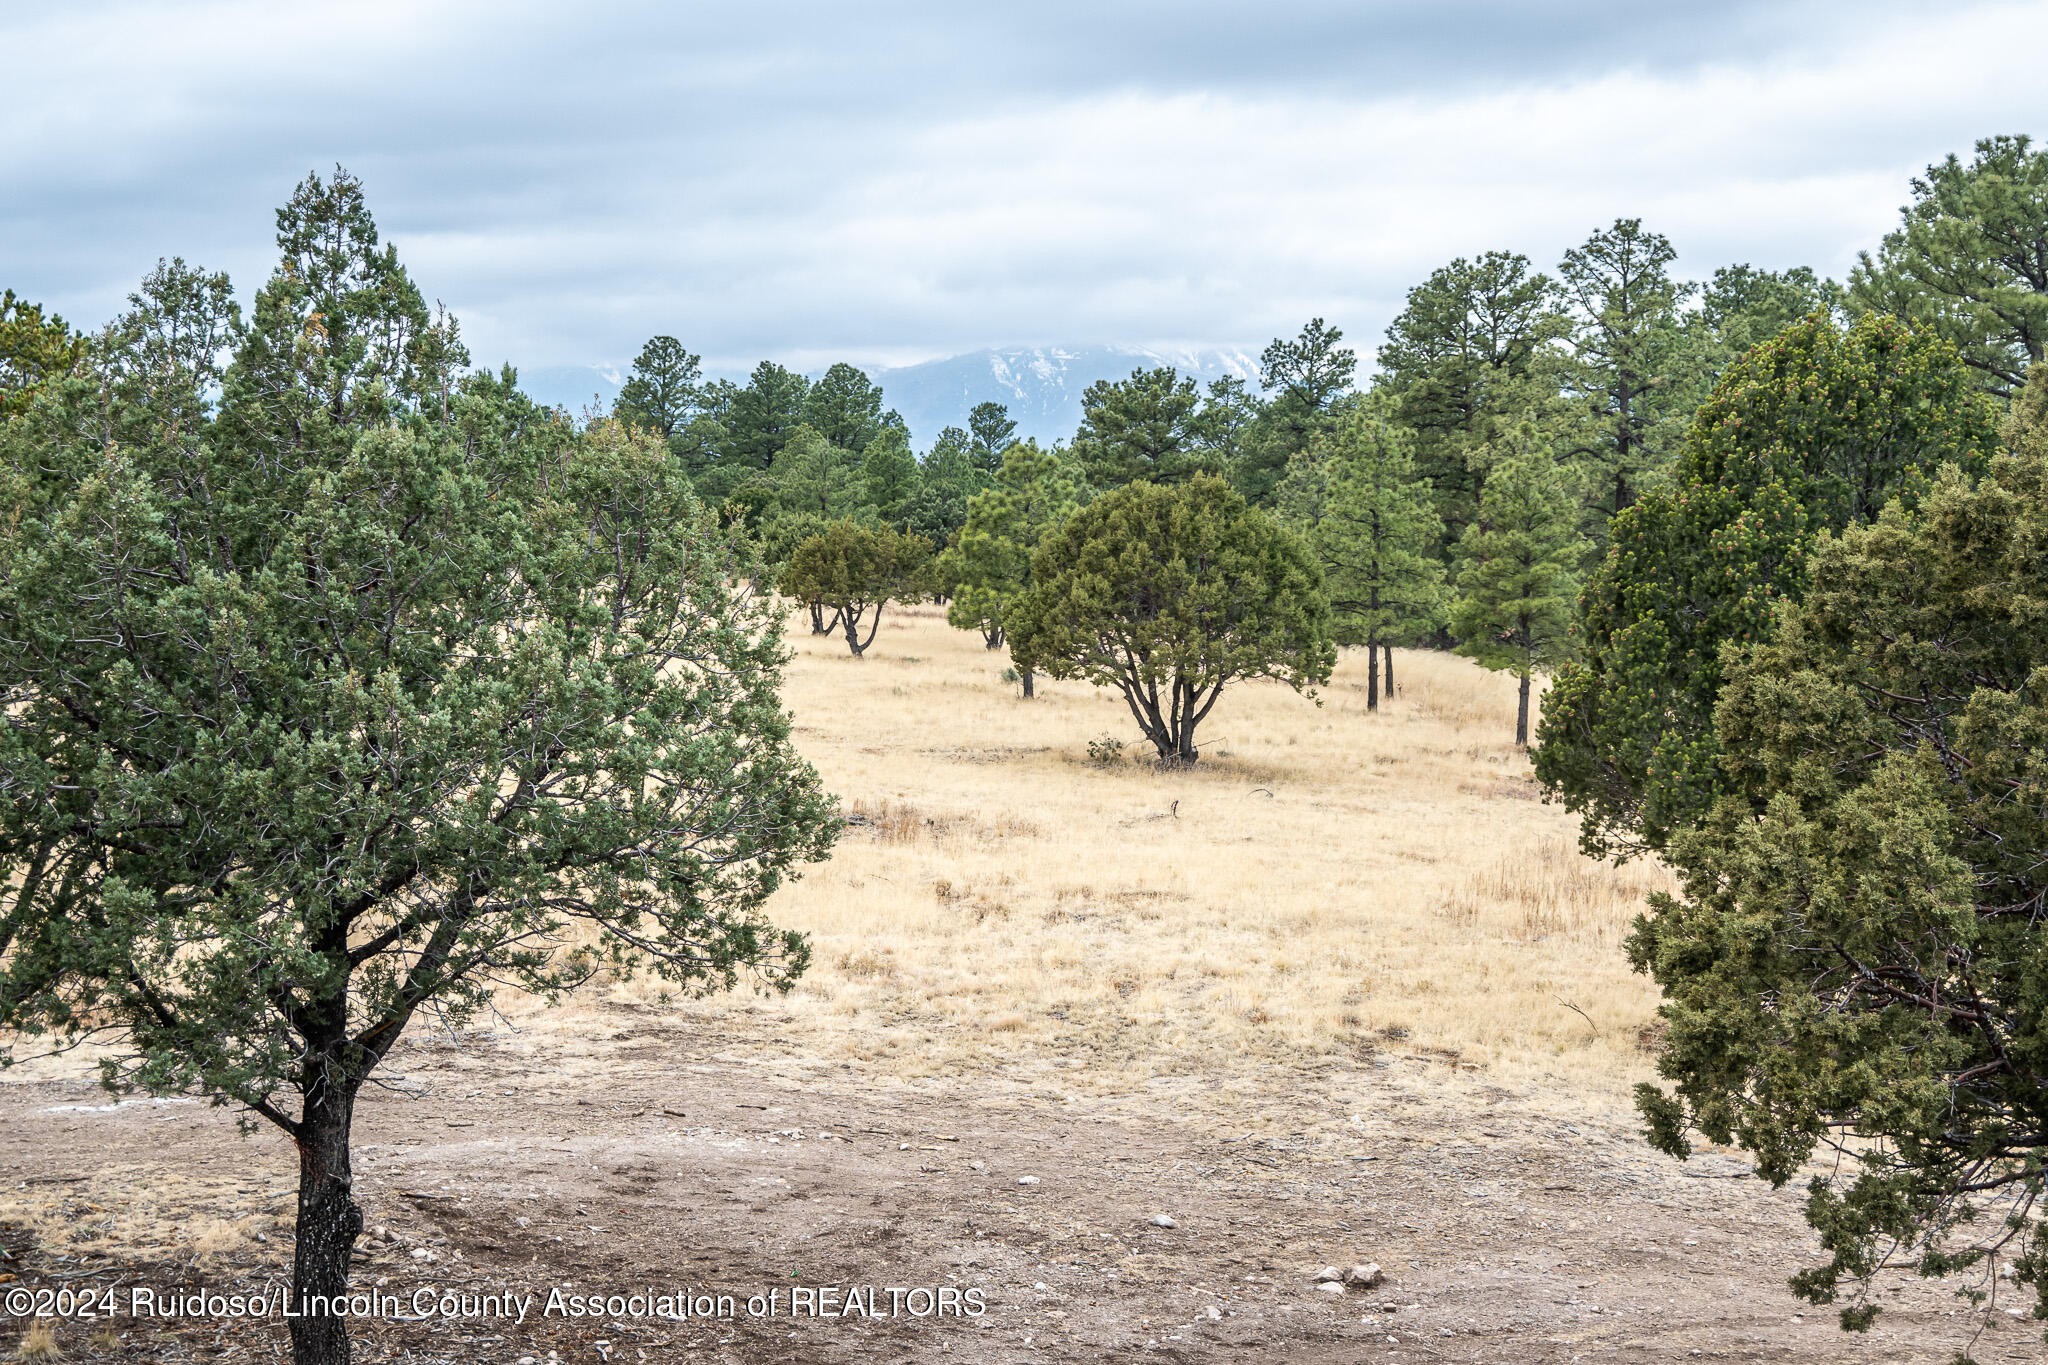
661 1150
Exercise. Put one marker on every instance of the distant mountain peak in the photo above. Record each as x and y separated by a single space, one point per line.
1040 385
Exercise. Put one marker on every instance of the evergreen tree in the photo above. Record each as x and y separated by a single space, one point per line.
1467 360
1226 424
404 676
1306 377
1518 572
1811 431
1970 260
661 393
845 407
760 417
1628 369
937 509
810 474
34 349
1169 594
889 474
991 430
1857 958
1375 532
989 566
1743 307
1143 427
855 571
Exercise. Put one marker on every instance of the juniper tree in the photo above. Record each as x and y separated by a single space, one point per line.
1518 572
1170 594
855 571
1856 961
355 698
1809 432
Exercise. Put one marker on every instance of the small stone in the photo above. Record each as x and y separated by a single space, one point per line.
1215 1313
1160 1220
1027 1180
902 1146
1364 1276
1329 1274
1330 1286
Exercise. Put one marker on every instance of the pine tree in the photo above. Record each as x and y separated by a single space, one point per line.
1144 427
1518 573
811 474
1306 378
1467 360
889 474
992 430
34 348
1629 370
1811 431
989 566
845 407
1970 260
661 393
1375 531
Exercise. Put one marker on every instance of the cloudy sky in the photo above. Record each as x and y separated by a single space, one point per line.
887 182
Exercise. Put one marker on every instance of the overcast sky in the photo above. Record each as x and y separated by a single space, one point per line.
887 182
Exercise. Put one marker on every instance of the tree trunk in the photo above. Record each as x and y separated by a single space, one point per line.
1522 715
1372 674
817 618
1389 651
328 1224
1026 676
852 623
993 638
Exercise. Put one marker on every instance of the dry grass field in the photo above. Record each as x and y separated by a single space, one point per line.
1133 1053
1326 882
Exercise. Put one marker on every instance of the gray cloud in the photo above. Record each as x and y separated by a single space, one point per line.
891 181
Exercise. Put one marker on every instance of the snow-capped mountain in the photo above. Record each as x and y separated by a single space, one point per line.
1040 385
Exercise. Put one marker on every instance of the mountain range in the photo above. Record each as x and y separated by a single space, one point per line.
1040 385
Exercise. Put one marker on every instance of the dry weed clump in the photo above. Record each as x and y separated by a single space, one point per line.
39 1342
1326 883
150 1213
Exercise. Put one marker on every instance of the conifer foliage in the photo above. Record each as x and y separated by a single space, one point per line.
1857 958
344 700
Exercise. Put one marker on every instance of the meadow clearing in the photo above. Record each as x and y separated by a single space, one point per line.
1327 882
1132 1052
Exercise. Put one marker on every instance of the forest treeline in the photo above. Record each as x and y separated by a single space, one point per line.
1463 494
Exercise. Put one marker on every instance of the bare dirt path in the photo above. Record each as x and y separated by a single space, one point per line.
661 1157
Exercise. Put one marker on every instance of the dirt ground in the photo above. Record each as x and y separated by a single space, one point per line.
670 1150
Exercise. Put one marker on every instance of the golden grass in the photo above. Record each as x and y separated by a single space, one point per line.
39 1342
149 1211
1326 882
